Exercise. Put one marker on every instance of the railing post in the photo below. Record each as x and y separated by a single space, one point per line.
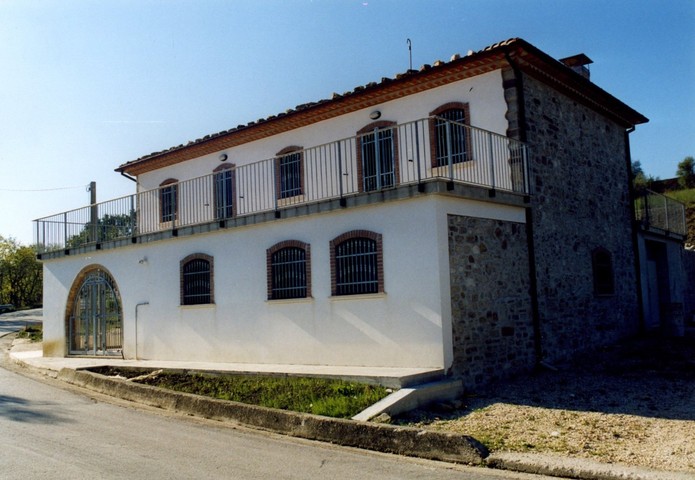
65 229
417 154
340 171
448 151
492 160
133 218
274 182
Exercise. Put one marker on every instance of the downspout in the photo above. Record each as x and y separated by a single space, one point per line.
533 274
634 230
136 326
132 179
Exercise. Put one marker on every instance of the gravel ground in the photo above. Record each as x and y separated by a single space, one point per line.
632 403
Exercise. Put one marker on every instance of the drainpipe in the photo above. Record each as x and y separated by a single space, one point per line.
533 274
132 179
136 326
635 233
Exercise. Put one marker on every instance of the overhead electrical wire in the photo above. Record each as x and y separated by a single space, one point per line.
41 189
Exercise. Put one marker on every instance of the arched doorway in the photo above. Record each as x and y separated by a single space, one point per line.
94 319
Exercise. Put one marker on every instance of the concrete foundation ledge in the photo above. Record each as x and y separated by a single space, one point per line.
564 467
385 438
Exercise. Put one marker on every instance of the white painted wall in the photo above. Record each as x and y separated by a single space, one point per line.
483 93
408 326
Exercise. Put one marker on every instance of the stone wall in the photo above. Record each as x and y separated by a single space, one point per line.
689 291
490 301
580 202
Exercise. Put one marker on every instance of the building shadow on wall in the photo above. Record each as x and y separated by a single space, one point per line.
650 376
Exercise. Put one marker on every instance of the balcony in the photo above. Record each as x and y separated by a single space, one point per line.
410 154
658 213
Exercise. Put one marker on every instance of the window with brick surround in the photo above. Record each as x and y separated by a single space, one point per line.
449 138
224 191
197 280
377 156
289 168
357 263
602 266
289 270
168 200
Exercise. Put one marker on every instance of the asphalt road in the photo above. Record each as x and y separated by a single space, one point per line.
49 430
14 321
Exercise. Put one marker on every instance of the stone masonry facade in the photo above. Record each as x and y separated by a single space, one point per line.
491 307
580 202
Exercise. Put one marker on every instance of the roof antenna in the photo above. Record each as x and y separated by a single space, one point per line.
410 53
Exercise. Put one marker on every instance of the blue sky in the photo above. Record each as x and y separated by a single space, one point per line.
89 85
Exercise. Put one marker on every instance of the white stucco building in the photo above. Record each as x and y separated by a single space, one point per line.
376 228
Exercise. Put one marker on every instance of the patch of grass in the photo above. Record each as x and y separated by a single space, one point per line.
332 398
683 196
33 332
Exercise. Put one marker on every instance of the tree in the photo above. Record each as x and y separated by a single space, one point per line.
108 227
640 180
21 275
686 173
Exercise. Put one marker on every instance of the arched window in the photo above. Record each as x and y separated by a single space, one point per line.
168 200
357 263
449 137
197 280
224 191
377 151
289 172
289 270
602 266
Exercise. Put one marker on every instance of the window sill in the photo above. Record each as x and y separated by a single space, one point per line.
443 170
284 301
284 202
360 296
197 306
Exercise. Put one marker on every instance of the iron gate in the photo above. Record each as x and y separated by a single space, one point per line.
96 324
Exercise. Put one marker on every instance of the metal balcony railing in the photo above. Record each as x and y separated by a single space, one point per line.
656 211
406 154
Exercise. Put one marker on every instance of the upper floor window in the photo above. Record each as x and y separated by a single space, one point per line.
377 165
168 200
224 191
449 136
197 280
602 266
357 263
289 172
289 270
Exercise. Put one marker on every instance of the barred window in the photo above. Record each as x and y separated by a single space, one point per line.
168 200
224 192
196 280
290 174
357 264
289 270
602 266
450 137
377 151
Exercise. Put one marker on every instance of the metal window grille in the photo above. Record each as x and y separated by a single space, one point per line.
291 175
450 137
224 194
378 167
196 282
356 267
167 196
288 273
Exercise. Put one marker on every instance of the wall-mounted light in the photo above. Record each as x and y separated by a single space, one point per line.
223 157
376 114
142 261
